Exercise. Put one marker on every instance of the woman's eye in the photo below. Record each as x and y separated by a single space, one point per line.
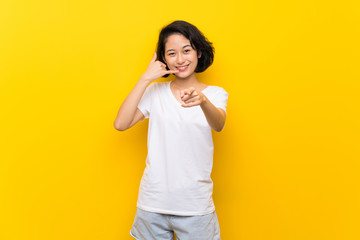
171 54
187 50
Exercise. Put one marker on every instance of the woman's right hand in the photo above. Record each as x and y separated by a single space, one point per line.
156 69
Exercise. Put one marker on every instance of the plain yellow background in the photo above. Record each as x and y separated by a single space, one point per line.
286 166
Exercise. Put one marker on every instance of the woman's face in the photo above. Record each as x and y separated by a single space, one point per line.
180 55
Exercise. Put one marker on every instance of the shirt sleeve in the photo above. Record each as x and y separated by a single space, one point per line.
145 102
220 99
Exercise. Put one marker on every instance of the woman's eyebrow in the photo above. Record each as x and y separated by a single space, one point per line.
182 47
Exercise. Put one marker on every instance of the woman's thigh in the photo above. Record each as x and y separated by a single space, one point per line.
149 225
203 227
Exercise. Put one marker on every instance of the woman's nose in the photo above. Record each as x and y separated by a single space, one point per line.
180 58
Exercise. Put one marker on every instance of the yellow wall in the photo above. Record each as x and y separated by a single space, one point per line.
286 166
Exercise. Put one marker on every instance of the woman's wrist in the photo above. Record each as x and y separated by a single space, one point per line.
145 79
204 100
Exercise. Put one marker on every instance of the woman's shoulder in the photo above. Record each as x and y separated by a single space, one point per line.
161 83
214 89
158 85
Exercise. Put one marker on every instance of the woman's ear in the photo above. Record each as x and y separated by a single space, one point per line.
199 54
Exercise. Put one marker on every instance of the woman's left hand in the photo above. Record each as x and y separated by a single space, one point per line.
192 97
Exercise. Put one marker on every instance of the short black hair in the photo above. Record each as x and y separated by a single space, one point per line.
197 40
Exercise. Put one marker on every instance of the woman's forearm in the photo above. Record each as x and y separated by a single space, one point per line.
127 111
128 108
214 116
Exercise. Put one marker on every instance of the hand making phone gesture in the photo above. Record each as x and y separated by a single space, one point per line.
156 69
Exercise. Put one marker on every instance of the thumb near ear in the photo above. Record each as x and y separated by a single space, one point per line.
154 57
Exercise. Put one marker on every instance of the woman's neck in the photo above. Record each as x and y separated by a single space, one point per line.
184 83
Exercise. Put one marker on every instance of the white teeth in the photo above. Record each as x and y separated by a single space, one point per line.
182 67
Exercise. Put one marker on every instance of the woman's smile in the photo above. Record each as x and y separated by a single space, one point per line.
182 68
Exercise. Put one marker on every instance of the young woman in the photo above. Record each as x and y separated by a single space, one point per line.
175 193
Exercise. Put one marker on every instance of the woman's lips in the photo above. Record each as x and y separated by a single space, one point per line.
183 68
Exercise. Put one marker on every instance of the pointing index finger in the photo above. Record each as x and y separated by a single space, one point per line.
189 90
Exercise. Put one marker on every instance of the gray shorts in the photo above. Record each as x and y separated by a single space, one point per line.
156 226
